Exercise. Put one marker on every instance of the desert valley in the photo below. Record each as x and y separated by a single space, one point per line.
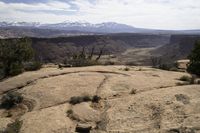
127 91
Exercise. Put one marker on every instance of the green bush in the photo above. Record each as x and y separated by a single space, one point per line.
185 78
96 99
85 98
33 66
11 99
13 52
194 65
165 67
15 69
194 68
81 62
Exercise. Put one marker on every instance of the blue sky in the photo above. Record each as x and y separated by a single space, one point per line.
159 14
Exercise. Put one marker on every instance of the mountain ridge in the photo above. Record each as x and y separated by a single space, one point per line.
105 27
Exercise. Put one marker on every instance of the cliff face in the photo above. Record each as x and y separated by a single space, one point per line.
179 47
57 49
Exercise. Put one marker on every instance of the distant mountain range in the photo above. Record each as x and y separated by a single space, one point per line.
109 27
75 28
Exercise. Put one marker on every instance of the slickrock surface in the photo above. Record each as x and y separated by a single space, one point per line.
140 100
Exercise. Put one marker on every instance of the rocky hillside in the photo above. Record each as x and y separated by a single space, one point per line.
179 47
127 100
15 32
57 49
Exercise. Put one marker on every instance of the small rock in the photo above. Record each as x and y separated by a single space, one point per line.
83 128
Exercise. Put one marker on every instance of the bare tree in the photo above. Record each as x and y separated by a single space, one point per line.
92 53
100 53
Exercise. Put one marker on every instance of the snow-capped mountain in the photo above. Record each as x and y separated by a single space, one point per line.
108 27
19 24
86 27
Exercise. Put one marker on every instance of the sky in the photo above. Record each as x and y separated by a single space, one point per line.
153 14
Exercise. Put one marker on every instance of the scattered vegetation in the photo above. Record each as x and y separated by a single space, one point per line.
11 99
156 61
12 55
84 98
188 79
182 130
109 63
13 127
82 59
126 69
96 99
183 98
185 78
165 67
33 66
71 115
69 112
133 91
194 65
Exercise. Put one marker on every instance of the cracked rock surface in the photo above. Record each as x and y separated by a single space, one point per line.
141 100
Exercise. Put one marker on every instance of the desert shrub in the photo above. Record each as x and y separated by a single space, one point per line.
189 79
156 61
69 112
75 100
133 91
79 99
126 69
109 63
81 62
33 66
15 69
96 99
84 98
11 99
164 67
194 65
13 127
185 78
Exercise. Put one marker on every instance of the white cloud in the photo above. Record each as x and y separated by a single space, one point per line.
164 14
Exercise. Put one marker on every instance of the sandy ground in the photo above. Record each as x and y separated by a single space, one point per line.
140 100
